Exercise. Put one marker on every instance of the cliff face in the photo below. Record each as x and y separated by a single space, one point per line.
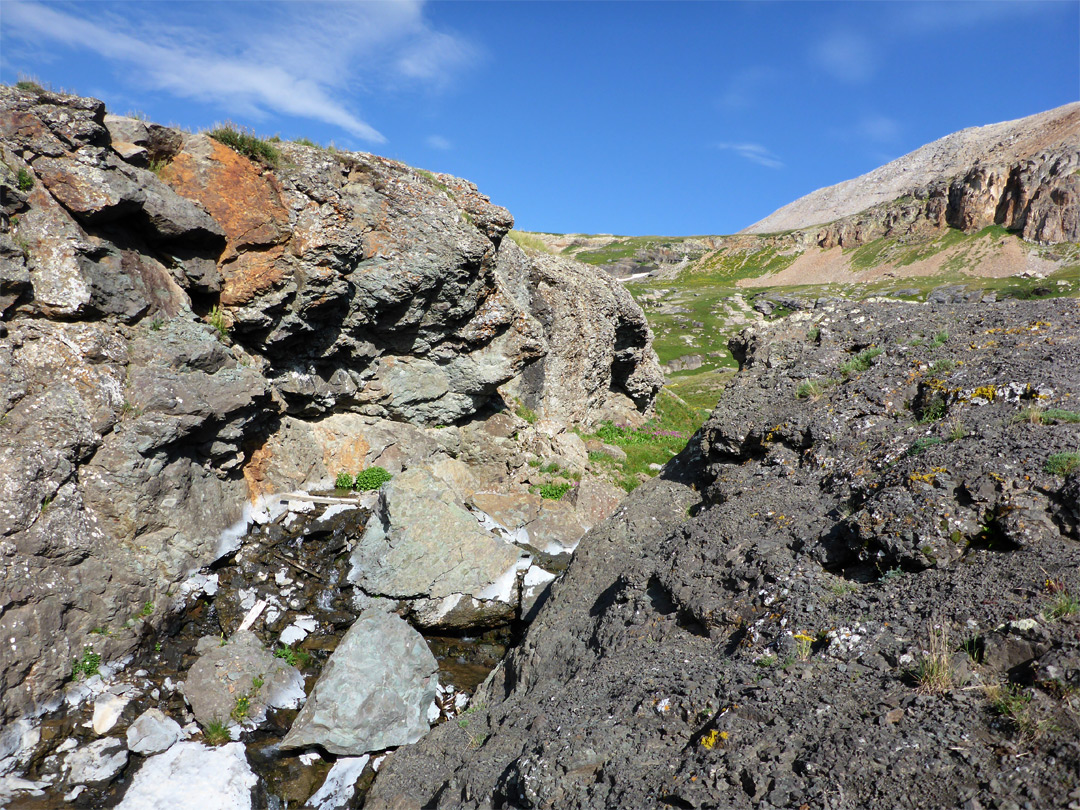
171 307
1020 174
854 582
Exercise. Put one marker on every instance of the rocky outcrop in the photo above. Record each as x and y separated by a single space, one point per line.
1019 174
174 314
873 536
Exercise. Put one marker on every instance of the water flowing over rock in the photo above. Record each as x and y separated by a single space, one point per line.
374 692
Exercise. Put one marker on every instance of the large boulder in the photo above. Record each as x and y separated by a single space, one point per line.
422 547
374 692
237 681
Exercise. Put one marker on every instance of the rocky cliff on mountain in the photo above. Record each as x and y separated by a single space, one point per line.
856 587
1018 174
186 330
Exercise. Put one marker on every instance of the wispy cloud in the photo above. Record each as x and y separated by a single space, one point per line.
438 142
298 59
847 56
747 87
879 128
754 152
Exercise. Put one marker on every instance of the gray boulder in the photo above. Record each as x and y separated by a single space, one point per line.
153 732
239 681
422 546
374 692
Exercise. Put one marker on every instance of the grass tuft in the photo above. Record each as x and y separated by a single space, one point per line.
860 362
933 673
246 143
1063 463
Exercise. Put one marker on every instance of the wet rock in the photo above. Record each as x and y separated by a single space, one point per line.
238 681
339 786
192 776
97 762
152 732
373 693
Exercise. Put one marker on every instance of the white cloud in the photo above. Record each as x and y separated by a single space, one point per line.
754 152
879 128
847 56
296 59
439 142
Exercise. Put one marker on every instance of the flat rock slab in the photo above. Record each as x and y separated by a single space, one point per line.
97 762
374 691
192 776
241 668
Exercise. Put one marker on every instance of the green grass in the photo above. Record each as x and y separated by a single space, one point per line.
653 443
24 180
553 492
216 319
810 389
246 143
292 656
529 241
860 362
1050 416
1062 605
939 340
1063 463
216 733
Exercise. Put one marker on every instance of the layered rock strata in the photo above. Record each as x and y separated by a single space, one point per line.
175 315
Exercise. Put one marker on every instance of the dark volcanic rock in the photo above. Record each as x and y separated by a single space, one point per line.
753 629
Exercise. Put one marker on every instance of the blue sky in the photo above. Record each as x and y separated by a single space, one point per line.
634 118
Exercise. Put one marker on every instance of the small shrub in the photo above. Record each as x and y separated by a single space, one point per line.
941 366
939 339
344 480
892 574
147 609
553 492
88 665
813 334
246 143
860 362
29 86
371 478
25 180
1062 463
306 142
216 733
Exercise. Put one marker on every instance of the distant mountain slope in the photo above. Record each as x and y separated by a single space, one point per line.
1003 145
